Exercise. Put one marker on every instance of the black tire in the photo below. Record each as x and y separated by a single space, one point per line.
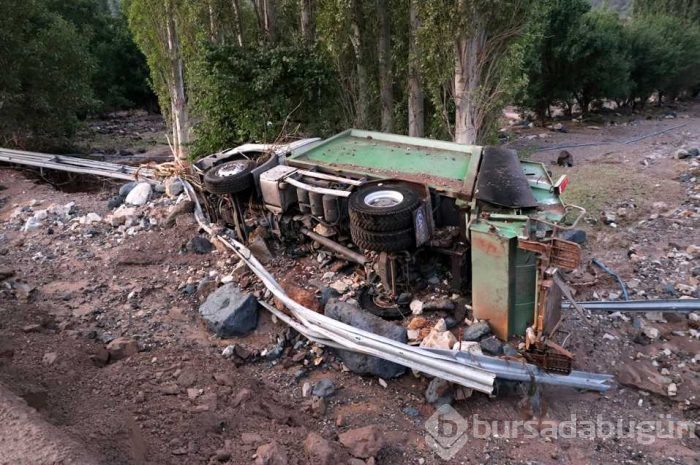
383 218
218 181
393 241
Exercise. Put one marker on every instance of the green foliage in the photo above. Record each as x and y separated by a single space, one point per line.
599 59
665 56
686 9
120 78
261 93
46 78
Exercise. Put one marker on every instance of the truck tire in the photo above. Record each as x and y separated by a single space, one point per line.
229 178
392 241
383 208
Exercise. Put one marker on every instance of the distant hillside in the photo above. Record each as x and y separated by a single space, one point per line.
624 7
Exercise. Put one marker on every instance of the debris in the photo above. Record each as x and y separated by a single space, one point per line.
139 195
318 406
306 389
122 347
126 188
682 154
342 285
364 442
442 303
360 363
416 307
382 383
49 358
650 332
438 392
182 208
476 331
439 337
323 388
271 454
230 312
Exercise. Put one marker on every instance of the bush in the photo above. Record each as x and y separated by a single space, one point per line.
256 94
45 79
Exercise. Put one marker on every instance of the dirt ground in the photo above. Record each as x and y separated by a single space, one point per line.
76 287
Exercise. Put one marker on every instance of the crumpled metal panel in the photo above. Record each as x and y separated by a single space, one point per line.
501 180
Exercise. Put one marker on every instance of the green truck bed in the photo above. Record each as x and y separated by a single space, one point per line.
447 167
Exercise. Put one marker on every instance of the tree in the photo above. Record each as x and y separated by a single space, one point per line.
307 23
259 94
386 81
551 74
598 59
416 107
47 74
485 58
157 31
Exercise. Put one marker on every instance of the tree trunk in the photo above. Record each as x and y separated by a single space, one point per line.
308 28
416 112
213 23
236 4
176 88
465 83
362 97
386 89
266 11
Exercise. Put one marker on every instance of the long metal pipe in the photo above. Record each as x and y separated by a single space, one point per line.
681 305
334 246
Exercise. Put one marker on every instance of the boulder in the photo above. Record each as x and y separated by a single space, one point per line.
361 319
439 391
320 451
173 187
271 454
491 345
139 195
323 388
126 188
363 442
199 245
230 312
476 331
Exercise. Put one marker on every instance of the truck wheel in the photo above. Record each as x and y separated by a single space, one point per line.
392 241
383 208
229 178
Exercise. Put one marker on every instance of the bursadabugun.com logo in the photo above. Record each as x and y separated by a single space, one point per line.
448 431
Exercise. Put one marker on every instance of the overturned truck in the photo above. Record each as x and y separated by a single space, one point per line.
396 204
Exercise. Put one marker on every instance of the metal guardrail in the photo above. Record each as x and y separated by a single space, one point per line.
679 306
76 165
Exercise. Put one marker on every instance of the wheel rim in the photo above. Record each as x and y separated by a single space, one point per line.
231 169
383 199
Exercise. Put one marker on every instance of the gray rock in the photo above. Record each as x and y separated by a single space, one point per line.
443 303
230 312
476 331
199 244
139 195
173 187
510 351
115 202
491 345
358 318
323 388
438 392
574 235
693 153
126 188
682 154
160 188
411 411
